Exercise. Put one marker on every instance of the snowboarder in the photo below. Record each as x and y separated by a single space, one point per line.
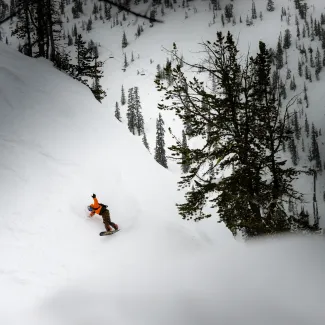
102 210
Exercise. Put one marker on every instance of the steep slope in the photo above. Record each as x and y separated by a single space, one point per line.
58 146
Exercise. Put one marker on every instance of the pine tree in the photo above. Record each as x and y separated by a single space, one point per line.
160 153
123 99
279 54
126 64
306 96
254 13
145 141
314 154
293 85
304 31
139 122
243 141
307 129
124 41
117 112
296 125
132 57
229 11
270 5
318 64
294 152
287 39
223 20
89 25
299 68
130 114
84 59
185 162
298 32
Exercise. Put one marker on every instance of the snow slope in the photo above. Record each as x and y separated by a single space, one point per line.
58 146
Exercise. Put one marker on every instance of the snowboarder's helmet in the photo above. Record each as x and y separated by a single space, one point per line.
90 208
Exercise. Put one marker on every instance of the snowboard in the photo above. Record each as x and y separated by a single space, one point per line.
107 233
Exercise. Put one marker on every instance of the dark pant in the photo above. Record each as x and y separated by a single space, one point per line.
107 221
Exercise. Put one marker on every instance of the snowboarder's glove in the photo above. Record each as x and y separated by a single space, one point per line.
93 196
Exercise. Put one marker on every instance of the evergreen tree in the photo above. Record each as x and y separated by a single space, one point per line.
89 25
130 114
139 122
304 31
84 59
318 64
270 5
160 153
254 13
117 112
279 55
124 41
296 125
70 40
245 136
185 153
24 27
287 39
126 64
223 20
229 11
312 62
314 154
145 141
307 129
294 152
306 96
298 32
293 85
123 99
299 68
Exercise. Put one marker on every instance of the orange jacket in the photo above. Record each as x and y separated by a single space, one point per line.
97 208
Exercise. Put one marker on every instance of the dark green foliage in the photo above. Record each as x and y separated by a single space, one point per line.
314 154
123 99
293 85
306 96
131 115
318 64
160 153
117 112
139 122
299 68
89 25
294 152
287 39
126 63
185 154
145 141
254 13
124 41
229 11
296 125
243 131
279 55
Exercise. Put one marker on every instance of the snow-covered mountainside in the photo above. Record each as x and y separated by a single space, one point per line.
59 145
